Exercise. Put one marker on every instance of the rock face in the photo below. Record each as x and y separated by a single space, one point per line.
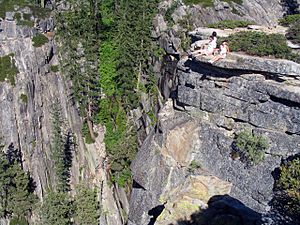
26 116
219 103
237 61
263 12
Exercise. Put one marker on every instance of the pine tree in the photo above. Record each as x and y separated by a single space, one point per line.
60 149
20 199
16 194
56 209
81 26
86 206
4 184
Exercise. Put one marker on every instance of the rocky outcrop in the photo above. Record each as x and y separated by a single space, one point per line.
243 62
218 103
263 12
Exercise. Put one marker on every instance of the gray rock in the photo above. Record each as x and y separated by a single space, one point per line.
239 61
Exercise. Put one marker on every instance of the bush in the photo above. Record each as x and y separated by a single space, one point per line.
194 165
18 221
39 40
54 68
251 147
170 11
293 33
260 44
24 98
8 6
288 186
289 20
230 24
8 70
204 3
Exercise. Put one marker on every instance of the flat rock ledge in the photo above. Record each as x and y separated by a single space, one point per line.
238 61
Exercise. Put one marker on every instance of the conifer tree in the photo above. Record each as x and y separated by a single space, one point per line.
56 209
86 206
20 200
81 26
16 197
61 149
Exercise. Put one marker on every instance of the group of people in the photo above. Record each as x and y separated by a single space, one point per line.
209 48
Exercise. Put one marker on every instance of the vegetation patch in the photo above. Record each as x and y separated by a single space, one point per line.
9 6
230 24
170 11
8 69
204 3
240 2
54 68
250 147
289 20
39 40
293 33
17 198
209 3
194 165
288 188
24 98
25 21
261 44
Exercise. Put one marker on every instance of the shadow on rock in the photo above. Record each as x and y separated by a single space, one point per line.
224 210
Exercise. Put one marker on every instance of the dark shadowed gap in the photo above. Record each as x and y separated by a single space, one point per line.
155 212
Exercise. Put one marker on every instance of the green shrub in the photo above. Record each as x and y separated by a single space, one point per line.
54 68
288 185
293 33
208 3
39 40
251 147
230 24
8 6
260 44
289 20
24 98
18 221
204 3
86 134
170 11
194 165
26 21
86 206
8 69
240 2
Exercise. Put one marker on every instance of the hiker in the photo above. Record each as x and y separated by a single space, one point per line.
224 50
209 49
202 44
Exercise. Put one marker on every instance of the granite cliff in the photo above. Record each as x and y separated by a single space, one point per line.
26 108
185 171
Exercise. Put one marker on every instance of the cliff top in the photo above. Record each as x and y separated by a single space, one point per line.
240 61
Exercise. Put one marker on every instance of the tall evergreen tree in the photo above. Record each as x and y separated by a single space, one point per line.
61 149
86 206
56 209
16 194
81 26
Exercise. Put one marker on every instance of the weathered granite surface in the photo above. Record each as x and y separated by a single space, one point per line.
27 124
238 61
220 103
